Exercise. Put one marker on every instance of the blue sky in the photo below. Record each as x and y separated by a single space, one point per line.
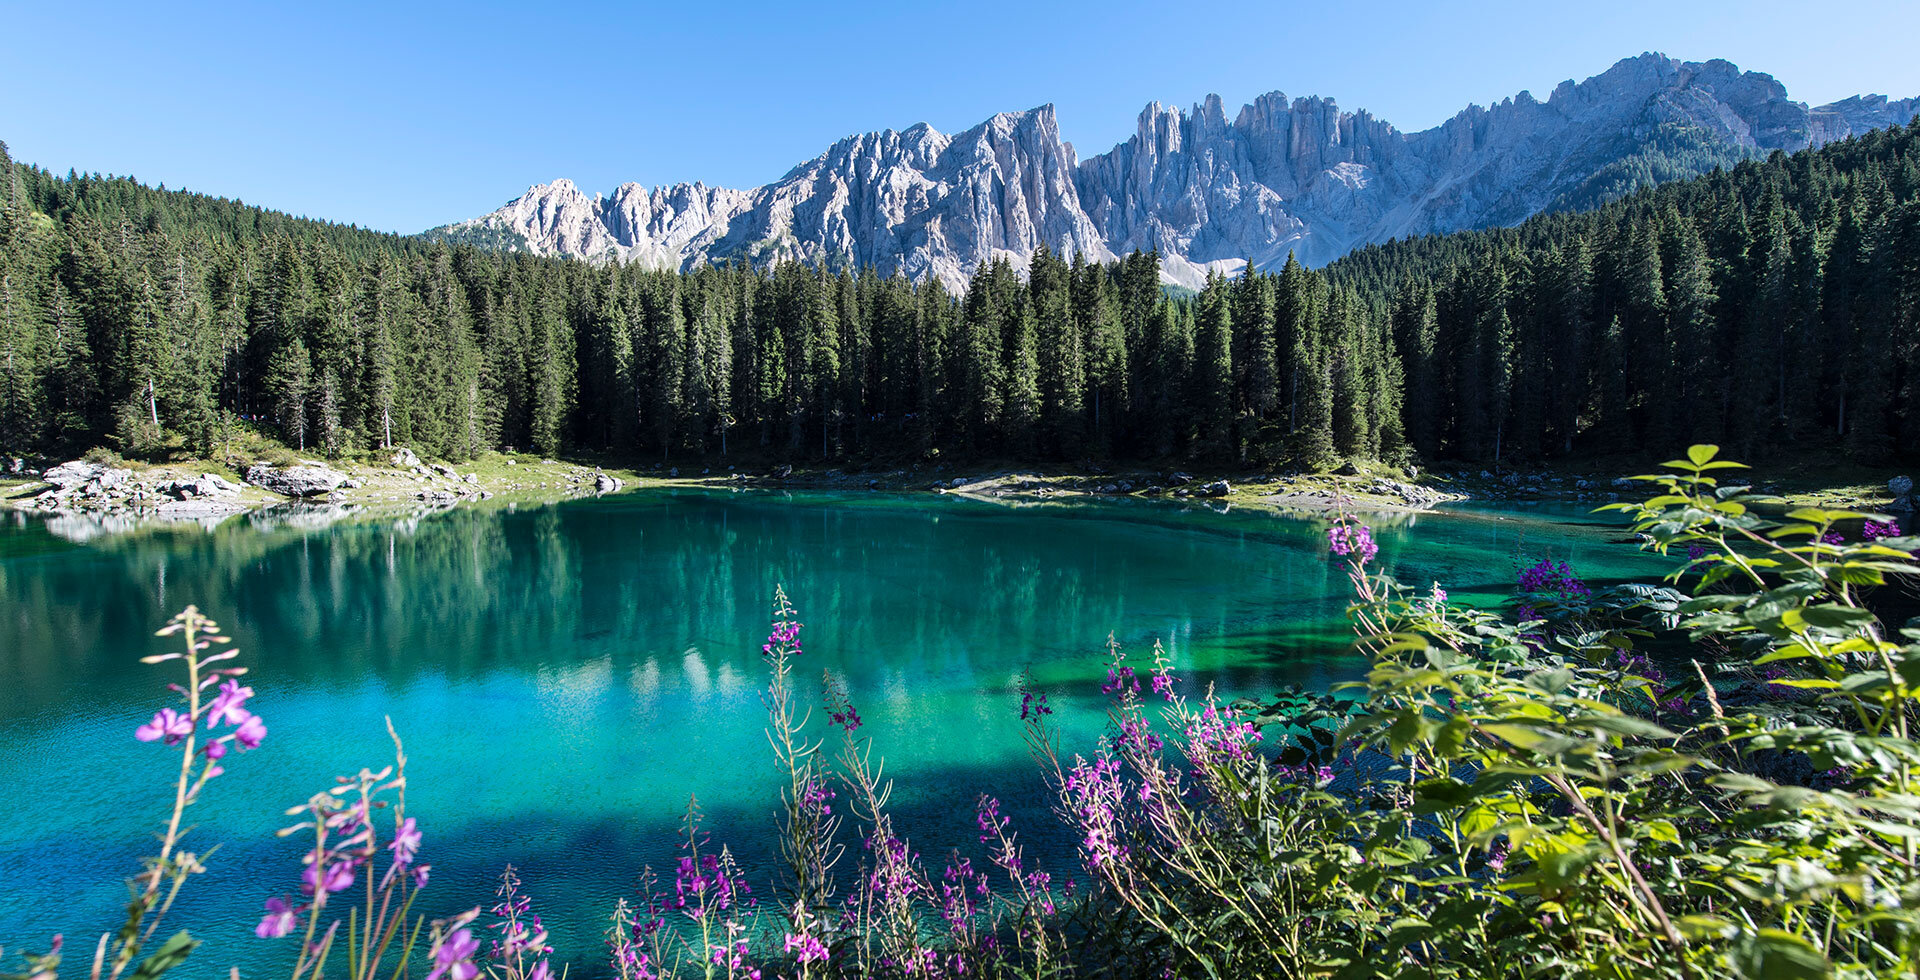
403 116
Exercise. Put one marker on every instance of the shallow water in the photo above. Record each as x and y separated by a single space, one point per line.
566 675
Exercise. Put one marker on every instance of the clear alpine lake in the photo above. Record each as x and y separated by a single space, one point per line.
565 675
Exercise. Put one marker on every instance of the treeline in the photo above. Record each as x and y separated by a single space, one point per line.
157 320
1773 304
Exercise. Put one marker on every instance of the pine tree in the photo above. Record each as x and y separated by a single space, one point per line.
1096 302
1212 377
289 380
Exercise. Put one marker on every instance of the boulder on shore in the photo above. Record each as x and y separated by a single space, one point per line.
1218 488
602 483
79 472
295 481
1900 486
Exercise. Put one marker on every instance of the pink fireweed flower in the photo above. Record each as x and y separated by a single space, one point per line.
813 799
806 948
1833 538
734 958
783 641
1874 530
1163 685
229 706
216 749
988 817
279 920
848 719
1352 540
1121 682
1094 794
251 733
167 724
454 957
336 877
1554 578
406 842
1033 706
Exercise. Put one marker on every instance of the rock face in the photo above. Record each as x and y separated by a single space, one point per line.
1209 192
295 481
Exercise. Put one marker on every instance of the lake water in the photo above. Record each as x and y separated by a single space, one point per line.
565 675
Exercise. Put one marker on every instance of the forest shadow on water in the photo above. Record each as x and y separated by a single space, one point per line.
566 675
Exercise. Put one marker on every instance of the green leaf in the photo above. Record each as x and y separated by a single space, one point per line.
1698 927
1775 954
1836 617
170 954
1702 453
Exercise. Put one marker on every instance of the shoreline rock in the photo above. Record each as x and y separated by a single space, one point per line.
304 480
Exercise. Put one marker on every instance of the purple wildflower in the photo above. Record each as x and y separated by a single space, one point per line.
1121 682
406 841
1554 578
848 719
815 796
1033 706
1833 538
166 724
335 877
806 948
229 706
1354 540
279 920
1497 856
989 818
251 733
1874 530
454 957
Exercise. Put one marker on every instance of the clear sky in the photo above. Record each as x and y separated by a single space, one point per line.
401 116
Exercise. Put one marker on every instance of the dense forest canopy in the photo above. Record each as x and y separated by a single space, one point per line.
1774 302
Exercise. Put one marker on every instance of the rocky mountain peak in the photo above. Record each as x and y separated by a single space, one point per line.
1208 189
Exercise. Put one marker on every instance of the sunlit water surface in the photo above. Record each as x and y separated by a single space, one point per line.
566 676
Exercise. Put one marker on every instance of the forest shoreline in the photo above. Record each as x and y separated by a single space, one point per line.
378 486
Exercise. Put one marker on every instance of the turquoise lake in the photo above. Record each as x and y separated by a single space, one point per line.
566 675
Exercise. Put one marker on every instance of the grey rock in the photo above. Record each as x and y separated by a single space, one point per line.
79 472
295 481
1218 488
1900 486
404 458
602 483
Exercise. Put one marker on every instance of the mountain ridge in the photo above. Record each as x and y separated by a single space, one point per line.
1298 176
